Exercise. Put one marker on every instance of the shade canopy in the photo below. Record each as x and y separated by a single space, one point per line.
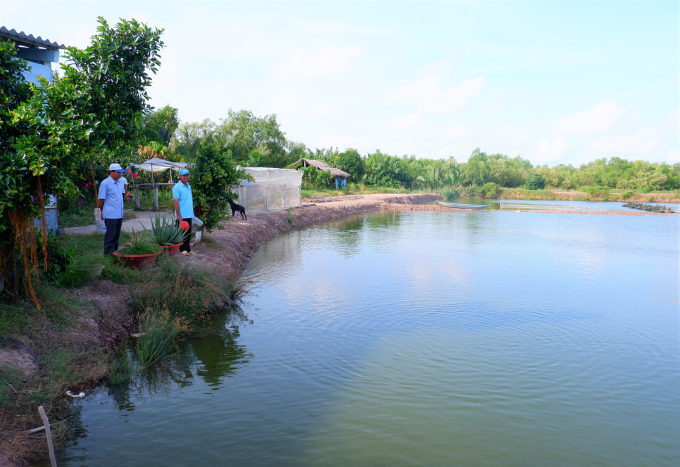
158 165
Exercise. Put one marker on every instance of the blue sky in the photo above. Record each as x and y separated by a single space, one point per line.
554 82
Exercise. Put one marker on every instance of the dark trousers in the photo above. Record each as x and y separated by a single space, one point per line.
112 235
187 238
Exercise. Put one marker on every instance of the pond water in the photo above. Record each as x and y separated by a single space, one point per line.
424 339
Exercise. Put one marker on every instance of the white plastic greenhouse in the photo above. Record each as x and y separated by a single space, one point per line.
272 189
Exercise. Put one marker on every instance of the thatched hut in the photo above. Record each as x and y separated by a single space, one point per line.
340 175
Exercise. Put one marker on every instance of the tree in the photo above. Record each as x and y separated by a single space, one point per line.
89 113
213 178
248 133
351 162
160 125
535 182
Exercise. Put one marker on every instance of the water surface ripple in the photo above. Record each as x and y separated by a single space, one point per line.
424 338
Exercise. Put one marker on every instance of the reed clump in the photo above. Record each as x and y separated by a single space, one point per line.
185 291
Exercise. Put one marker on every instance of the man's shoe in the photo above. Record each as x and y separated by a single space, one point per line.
185 253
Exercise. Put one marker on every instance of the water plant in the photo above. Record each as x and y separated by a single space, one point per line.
158 329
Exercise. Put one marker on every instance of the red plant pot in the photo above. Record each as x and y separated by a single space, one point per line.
171 250
136 261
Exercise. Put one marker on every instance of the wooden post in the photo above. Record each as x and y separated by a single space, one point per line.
48 433
137 200
155 197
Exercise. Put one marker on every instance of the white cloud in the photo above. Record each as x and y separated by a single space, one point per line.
457 132
429 96
523 136
327 61
550 150
594 120
673 156
642 142
405 122
284 102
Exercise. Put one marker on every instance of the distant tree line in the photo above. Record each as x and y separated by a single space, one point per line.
259 142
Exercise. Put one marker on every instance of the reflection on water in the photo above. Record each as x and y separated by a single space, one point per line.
424 338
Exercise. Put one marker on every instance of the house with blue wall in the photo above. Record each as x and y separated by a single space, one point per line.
38 52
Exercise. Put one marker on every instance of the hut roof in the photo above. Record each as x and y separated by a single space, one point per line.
323 166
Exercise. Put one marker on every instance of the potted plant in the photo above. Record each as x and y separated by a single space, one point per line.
168 235
140 251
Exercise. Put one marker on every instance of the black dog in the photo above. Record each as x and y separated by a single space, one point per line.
237 208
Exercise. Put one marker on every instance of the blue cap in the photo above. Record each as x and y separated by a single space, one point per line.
183 171
117 168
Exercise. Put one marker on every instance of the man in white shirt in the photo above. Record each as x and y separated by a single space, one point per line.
110 204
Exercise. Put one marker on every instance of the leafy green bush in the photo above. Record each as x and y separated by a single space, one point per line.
627 194
597 192
450 193
315 178
535 182
213 175
490 190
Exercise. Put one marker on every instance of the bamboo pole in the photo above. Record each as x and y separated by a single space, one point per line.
48 433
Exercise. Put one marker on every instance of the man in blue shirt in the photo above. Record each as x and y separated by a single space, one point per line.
110 204
184 208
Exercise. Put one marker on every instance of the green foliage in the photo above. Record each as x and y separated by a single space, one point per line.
597 191
91 111
627 194
535 182
165 231
315 178
213 176
386 171
490 190
450 193
349 161
159 126
141 244
185 291
157 332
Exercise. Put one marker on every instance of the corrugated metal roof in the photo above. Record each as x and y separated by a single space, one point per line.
23 39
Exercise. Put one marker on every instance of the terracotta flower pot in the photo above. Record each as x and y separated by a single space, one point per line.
136 261
171 250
